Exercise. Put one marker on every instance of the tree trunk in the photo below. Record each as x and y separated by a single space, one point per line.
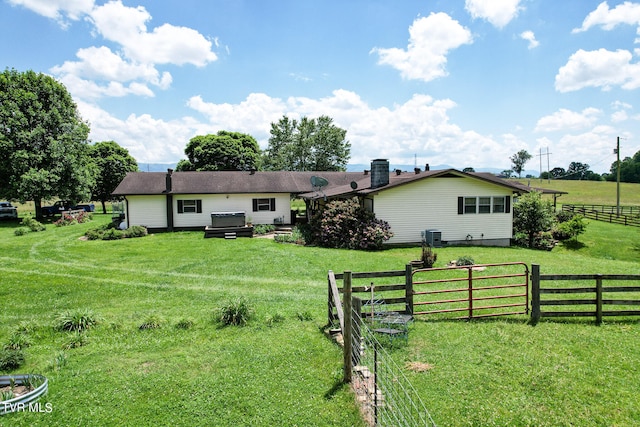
104 207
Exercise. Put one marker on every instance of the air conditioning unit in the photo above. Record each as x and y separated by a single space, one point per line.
433 238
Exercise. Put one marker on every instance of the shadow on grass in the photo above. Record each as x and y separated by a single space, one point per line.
573 245
338 385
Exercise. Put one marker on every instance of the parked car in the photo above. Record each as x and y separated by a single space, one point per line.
64 205
7 210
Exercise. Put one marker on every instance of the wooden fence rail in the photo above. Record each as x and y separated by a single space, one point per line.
597 300
629 215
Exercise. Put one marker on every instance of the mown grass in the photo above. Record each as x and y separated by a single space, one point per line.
285 372
590 192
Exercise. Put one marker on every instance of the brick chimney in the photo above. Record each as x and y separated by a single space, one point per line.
379 173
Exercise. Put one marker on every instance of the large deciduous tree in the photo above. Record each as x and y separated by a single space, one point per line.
629 169
518 161
44 151
307 145
112 162
224 151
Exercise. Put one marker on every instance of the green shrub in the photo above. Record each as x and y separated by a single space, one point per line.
78 320
21 231
296 237
11 359
465 260
261 229
94 234
135 231
33 224
569 229
237 313
152 321
113 234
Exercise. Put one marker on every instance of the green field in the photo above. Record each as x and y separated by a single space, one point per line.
280 369
590 192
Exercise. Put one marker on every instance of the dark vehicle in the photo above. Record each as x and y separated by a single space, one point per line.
64 205
8 211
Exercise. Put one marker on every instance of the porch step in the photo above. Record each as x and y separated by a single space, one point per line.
230 236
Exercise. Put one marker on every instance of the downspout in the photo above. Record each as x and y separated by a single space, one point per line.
169 200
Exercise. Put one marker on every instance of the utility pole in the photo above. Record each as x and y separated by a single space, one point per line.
617 151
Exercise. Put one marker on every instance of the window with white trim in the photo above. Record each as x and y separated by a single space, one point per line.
499 204
484 204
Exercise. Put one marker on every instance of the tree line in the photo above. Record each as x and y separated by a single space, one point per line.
45 151
629 170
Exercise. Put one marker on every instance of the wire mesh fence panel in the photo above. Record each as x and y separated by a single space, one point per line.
386 396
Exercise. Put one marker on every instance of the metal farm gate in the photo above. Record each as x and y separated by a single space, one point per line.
474 291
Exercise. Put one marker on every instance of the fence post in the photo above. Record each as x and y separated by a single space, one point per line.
346 333
535 293
408 289
470 282
598 299
329 300
356 335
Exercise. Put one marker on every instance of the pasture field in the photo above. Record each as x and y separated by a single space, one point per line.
589 192
280 369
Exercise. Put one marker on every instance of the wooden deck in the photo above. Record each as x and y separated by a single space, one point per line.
228 232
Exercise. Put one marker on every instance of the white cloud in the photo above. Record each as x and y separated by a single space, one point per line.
57 9
100 63
166 44
593 148
625 13
430 40
531 38
148 140
131 70
599 68
498 12
619 116
420 126
564 119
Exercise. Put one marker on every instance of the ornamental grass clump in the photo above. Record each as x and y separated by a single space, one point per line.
152 321
237 312
76 321
11 359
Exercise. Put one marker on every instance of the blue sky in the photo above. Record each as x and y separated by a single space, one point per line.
466 83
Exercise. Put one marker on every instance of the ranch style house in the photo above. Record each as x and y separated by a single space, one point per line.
447 206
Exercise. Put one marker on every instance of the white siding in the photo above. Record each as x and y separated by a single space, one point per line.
231 203
433 204
150 211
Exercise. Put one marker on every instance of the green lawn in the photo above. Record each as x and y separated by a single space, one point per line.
286 373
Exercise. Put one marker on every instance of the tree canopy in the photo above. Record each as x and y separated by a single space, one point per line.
307 145
224 151
629 169
43 141
518 161
112 162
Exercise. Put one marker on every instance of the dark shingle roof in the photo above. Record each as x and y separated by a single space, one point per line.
222 182
235 182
